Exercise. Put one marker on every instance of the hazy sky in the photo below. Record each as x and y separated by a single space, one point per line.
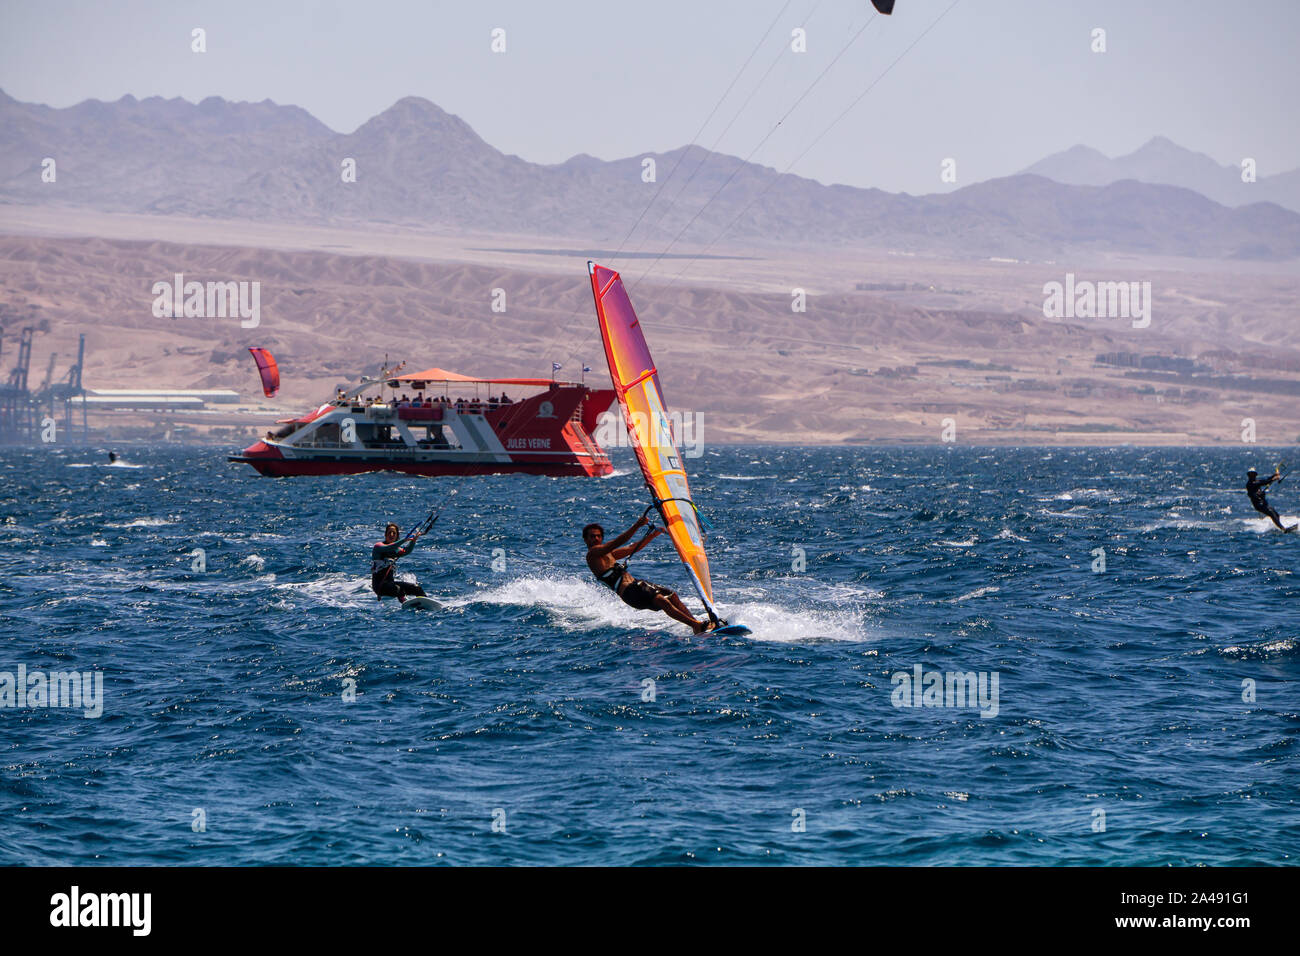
996 84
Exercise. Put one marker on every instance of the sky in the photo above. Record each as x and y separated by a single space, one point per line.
994 85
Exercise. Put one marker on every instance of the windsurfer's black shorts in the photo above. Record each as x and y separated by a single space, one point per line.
641 594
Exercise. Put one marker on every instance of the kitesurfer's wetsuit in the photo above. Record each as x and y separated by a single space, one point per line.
383 571
1255 491
636 593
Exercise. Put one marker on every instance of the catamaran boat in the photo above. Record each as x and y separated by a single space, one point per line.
437 422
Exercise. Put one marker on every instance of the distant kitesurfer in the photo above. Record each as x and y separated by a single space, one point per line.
603 559
1255 490
112 457
383 565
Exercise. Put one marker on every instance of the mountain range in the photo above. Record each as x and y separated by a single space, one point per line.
418 166
1163 161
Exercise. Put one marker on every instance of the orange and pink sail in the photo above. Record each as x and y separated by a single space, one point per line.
636 382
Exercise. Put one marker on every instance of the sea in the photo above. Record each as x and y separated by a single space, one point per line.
960 656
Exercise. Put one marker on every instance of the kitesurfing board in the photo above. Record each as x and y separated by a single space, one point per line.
417 603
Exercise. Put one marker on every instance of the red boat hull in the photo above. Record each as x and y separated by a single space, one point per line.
287 467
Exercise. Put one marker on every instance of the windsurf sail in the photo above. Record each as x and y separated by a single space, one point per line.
636 383
269 371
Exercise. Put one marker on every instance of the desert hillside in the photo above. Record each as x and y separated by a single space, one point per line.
885 351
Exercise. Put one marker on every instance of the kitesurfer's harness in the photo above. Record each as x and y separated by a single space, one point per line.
611 576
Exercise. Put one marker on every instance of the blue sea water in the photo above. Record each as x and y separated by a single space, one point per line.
518 726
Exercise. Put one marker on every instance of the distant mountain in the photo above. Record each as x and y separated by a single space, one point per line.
1162 161
417 165
146 155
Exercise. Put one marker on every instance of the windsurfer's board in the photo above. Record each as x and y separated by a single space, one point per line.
416 603
731 630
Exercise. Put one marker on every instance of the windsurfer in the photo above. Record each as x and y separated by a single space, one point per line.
604 560
383 565
1255 487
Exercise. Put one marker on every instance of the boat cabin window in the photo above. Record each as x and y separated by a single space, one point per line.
326 432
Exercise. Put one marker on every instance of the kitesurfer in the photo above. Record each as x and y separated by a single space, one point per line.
383 565
1255 490
112 457
604 560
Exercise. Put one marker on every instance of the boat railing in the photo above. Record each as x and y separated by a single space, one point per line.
390 449
322 444
371 410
